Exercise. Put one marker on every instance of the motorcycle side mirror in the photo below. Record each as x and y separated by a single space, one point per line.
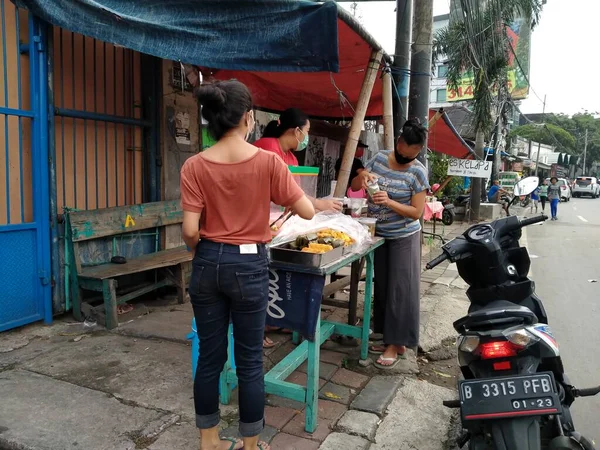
526 186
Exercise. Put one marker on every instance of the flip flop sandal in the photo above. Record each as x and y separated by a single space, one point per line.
376 337
124 309
267 345
388 366
394 363
261 445
373 349
233 441
279 330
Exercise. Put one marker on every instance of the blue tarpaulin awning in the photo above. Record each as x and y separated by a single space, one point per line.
249 35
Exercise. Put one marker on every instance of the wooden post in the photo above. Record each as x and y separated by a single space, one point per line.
437 116
357 123
388 111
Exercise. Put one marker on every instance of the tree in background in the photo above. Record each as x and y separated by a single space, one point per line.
477 44
439 173
567 134
547 134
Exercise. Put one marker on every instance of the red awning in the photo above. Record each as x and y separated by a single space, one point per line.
324 95
443 138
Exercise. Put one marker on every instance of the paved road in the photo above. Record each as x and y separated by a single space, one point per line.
568 255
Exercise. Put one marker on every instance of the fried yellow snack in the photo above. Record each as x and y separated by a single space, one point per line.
317 248
334 234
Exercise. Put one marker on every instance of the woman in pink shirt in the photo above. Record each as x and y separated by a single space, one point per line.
226 223
283 137
287 135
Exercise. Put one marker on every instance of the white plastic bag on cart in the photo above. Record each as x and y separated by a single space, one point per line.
296 226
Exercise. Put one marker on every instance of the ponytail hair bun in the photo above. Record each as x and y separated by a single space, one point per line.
291 118
223 105
413 133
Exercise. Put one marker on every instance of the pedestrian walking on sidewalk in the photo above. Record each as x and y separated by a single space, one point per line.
397 206
226 192
544 195
535 199
554 197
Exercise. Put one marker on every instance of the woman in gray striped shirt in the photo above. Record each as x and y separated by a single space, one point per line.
397 207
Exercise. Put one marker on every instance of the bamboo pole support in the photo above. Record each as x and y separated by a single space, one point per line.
388 111
437 116
357 122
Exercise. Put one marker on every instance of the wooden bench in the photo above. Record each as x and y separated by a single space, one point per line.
108 228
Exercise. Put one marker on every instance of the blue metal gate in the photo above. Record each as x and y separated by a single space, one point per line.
25 278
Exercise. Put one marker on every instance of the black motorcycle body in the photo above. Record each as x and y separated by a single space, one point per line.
514 394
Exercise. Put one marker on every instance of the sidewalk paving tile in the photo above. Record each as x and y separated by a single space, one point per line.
267 435
301 378
279 417
377 395
333 357
88 419
181 435
423 423
326 370
286 441
329 410
336 393
358 423
173 324
297 424
349 378
342 441
151 373
282 402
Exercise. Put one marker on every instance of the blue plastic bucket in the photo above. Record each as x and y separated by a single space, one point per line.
193 337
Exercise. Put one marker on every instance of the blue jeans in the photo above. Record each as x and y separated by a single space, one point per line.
554 206
227 284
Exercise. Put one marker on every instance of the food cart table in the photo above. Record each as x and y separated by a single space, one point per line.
295 294
433 211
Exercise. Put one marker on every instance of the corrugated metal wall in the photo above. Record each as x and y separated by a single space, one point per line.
16 201
99 160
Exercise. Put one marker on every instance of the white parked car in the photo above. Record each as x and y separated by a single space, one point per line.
586 186
565 189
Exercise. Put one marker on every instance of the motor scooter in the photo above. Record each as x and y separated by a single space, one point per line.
514 394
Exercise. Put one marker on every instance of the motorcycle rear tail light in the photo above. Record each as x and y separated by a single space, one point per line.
468 343
500 349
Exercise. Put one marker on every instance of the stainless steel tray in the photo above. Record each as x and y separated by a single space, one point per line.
285 255
349 249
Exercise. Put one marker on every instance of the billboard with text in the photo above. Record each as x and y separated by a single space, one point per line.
519 34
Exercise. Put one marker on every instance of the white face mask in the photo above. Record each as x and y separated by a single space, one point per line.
250 123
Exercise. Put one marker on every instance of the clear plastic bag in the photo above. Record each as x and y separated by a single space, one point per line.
296 226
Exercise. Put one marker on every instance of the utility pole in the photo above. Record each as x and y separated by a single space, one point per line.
537 157
498 149
401 66
585 151
420 81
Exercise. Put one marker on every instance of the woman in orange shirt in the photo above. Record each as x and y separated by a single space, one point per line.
226 223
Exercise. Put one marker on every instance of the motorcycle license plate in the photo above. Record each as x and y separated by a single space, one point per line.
513 396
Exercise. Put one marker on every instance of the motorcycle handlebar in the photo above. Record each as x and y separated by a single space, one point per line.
434 262
589 392
532 220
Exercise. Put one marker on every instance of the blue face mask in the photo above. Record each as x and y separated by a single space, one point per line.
303 143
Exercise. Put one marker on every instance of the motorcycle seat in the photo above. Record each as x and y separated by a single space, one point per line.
496 313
